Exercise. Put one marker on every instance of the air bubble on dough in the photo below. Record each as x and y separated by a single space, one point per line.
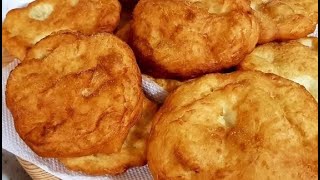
41 12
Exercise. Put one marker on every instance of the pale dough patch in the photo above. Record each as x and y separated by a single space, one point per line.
41 11
74 2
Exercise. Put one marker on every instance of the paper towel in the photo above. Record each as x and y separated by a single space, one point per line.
12 142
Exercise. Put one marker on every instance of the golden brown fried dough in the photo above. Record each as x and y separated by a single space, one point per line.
294 60
285 19
186 38
23 27
48 44
79 100
132 153
167 84
242 125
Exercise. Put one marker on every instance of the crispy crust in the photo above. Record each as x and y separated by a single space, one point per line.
242 125
48 44
132 153
23 27
296 60
80 99
185 39
285 19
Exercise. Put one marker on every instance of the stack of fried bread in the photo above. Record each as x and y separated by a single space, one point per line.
242 79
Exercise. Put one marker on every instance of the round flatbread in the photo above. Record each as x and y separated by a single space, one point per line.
80 99
242 125
182 39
